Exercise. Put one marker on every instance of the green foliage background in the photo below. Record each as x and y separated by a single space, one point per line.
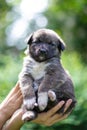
69 19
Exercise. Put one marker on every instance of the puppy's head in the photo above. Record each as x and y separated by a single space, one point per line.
45 44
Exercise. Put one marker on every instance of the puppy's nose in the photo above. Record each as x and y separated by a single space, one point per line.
43 51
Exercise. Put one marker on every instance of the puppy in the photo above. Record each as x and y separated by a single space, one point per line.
43 80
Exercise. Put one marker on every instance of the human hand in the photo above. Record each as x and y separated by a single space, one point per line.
46 118
11 103
51 117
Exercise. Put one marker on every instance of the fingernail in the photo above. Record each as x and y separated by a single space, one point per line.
69 101
62 102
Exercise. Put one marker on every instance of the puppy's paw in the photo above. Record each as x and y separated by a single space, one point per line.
52 95
42 100
28 116
29 103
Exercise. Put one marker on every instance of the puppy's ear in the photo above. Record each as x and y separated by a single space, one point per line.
61 45
29 39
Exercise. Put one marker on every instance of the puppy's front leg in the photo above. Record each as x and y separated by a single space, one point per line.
29 99
44 89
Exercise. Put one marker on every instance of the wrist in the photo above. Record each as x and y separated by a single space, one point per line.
5 109
3 117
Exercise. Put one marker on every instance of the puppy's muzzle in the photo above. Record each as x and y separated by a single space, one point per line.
42 54
43 51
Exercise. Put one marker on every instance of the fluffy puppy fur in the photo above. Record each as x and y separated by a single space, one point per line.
43 80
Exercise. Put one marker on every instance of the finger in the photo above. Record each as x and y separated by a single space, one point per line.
67 105
55 109
14 90
56 118
16 97
15 122
17 86
9 96
17 94
19 102
17 114
64 116
49 121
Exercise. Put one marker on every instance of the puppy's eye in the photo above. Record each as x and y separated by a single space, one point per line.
33 44
53 44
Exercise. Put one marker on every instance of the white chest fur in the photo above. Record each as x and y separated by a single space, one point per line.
36 69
